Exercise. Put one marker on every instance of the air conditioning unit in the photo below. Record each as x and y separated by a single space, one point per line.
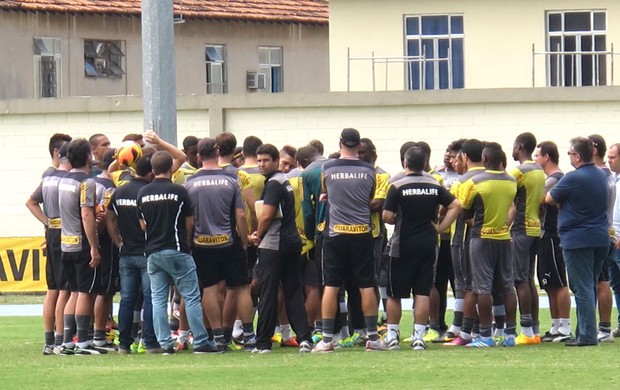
256 80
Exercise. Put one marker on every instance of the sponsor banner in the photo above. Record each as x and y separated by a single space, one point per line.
22 264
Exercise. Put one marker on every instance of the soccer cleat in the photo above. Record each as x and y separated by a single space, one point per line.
305 346
418 345
48 350
88 350
560 337
375 345
393 345
233 347
317 336
263 351
430 335
323 347
604 337
291 342
108 347
168 350
505 341
62 350
446 338
182 346
210 347
277 337
123 351
458 342
382 330
548 337
482 342
249 345
525 340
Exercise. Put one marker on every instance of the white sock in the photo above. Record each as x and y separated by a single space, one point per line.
528 331
455 329
498 332
286 331
564 326
183 336
418 331
237 329
555 325
277 330
344 332
393 331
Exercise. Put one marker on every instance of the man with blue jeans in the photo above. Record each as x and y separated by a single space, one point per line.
613 159
166 216
582 224
124 229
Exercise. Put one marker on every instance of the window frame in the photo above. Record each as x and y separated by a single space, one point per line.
418 67
215 88
272 69
42 50
104 59
556 64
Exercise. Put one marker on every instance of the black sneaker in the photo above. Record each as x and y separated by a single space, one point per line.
108 347
48 350
548 337
88 350
62 350
210 347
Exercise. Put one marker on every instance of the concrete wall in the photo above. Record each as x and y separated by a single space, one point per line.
305 51
497 44
388 118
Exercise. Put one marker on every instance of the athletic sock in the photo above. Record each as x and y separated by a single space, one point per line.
83 323
49 337
393 331
555 325
468 324
371 327
435 326
58 339
209 332
69 330
237 329
418 331
604 327
486 330
99 337
248 332
344 332
183 336
536 328
511 329
526 325
227 334
564 326
218 336
328 329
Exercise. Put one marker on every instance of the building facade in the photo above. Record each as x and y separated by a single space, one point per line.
55 49
454 44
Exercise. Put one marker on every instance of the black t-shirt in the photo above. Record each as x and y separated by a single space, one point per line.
415 200
282 231
124 205
164 207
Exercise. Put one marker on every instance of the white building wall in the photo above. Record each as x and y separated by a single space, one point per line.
389 119
497 44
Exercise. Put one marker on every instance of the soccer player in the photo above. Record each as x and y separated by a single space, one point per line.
80 247
525 233
604 289
348 188
124 229
220 240
190 166
99 144
46 193
412 205
167 218
490 196
279 262
582 223
551 267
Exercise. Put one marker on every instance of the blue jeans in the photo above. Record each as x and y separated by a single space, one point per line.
614 278
584 268
133 275
180 267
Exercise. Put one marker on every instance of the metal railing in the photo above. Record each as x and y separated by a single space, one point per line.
569 65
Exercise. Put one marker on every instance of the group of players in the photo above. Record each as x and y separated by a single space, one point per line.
299 240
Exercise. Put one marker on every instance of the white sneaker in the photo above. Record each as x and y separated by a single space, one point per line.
376 345
305 346
604 337
323 347
418 345
393 345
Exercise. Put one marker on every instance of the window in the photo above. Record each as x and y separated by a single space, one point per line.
437 43
576 36
103 59
46 67
215 57
270 64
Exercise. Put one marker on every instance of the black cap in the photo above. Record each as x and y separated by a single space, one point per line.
350 137
63 152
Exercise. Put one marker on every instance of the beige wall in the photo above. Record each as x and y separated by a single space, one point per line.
389 119
497 45
305 50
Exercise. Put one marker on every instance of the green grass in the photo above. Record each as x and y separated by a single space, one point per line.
542 367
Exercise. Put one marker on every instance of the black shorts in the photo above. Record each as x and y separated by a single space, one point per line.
412 272
54 271
108 270
492 267
609 260
551 268
80 277
349 253
216 264
524 256
311 269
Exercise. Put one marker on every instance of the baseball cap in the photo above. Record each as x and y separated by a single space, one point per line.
350 137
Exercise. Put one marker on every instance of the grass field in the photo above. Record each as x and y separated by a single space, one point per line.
542 367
